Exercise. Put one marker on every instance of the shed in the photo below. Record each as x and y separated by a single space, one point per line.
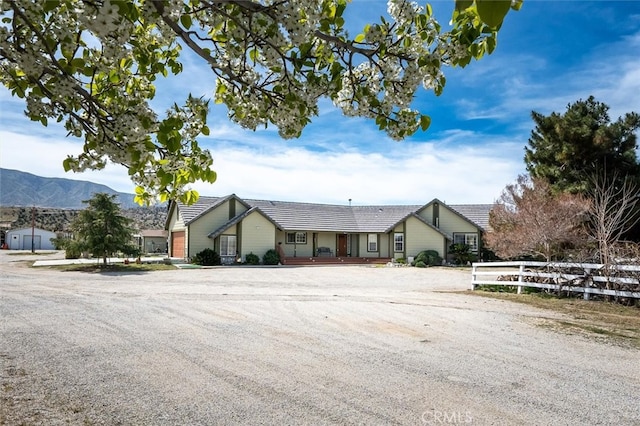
30 238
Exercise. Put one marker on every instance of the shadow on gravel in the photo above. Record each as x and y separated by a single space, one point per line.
131 269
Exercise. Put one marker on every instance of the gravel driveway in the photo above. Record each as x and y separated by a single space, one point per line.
309 345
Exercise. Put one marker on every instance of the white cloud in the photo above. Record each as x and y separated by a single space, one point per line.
408 173
411 173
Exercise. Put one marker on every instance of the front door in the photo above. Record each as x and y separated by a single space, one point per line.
342 245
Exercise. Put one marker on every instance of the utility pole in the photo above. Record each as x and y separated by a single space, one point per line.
33 229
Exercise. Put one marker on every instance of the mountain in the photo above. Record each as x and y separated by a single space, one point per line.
25 189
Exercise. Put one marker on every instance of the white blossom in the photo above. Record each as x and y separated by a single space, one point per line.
94 64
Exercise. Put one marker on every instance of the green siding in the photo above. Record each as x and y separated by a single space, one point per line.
258 235
364 246
421 237
203 226
281 238
427 214
451 222
385 245
240 208
327 239
175 221
299 250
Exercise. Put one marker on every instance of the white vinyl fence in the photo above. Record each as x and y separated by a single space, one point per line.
586 278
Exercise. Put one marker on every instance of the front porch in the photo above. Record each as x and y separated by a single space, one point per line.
335 260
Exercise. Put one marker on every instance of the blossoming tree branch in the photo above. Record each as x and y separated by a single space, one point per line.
93 65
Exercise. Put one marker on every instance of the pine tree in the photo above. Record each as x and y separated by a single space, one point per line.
101 229
568 149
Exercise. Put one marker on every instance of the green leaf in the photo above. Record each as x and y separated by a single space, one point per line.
165 179
517 5
359 38
463 4
77 63
173 143
205 130
114 77
49 5
67 164
221 89
210 176
425 122
139 199
492 12
185 20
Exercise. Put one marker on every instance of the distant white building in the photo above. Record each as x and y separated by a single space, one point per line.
152 241
28 238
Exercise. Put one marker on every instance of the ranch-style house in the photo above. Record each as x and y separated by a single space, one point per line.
235 227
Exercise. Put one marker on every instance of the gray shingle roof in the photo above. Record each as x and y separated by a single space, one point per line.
204 204
309 217
476 213
380 218
294 216
232 222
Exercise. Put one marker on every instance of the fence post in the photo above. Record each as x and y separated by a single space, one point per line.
585 284
520 278
473 276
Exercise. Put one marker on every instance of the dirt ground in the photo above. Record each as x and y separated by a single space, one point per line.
285 345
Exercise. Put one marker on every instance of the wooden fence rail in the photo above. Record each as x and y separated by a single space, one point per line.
585 278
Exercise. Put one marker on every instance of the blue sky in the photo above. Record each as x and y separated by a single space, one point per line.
549 54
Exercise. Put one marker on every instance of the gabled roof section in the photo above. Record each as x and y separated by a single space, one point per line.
203 206
237 220
421 219
479 213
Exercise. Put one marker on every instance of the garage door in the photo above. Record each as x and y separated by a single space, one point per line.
177 244
27 241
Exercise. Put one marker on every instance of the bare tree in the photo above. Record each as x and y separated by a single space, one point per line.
613 211
530 220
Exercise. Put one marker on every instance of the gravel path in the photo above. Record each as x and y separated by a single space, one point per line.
313 345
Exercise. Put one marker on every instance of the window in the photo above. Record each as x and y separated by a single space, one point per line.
228 245
469 239
296 238
372 242
398 242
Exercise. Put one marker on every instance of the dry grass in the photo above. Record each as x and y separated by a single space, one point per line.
615 322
